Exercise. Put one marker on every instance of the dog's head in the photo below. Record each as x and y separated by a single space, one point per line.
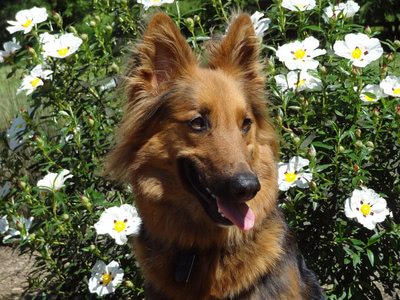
198 136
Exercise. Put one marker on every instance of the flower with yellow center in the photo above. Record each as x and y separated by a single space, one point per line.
300 5
54 181
119 222
371 93
391 86
105 278
367 207
292 174
149 3
26 19
35 79
300 54
16 133
342 10
359 49
60 46
20 229
298 81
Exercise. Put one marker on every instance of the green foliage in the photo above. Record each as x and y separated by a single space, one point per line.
349 144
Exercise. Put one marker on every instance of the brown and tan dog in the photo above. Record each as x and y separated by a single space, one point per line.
201 155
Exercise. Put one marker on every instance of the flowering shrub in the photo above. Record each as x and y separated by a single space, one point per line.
334 96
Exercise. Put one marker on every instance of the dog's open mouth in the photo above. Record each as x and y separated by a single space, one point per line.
221 211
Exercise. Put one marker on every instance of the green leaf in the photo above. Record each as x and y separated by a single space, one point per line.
370 256
322 145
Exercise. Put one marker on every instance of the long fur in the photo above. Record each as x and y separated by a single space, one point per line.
166 88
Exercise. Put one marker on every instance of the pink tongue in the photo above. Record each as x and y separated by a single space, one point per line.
238 213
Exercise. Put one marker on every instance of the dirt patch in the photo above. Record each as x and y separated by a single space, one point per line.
14 273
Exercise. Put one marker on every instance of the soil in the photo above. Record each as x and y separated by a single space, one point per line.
14 273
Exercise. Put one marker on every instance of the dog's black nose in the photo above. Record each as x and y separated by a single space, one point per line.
244 186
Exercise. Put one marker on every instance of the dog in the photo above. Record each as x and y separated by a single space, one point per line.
201 154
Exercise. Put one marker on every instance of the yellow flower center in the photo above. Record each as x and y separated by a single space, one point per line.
356 54
156 1
301 82
396 92
63 51
35 81
119 225
106 279
365 209
300 5
300 53
27 23
369 98
290 177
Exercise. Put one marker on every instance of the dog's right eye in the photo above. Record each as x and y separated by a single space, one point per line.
198 124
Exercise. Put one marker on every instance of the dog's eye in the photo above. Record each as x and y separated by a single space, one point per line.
198 124
246 125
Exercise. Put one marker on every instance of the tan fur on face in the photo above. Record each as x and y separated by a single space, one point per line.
167 88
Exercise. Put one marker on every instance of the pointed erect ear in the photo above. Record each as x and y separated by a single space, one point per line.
163 54
238 52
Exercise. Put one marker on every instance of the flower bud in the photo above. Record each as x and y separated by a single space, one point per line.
396 43
375 111
86 202
57 18
38 140
97 18
92 23
359 144
90 122
295 139
398 112
196 19
358 133
73 30
279 120
322 70
356 169
114 67
20 225
84 37
65 217
32 52
341 149
32 236
313 185
311 152
355 71
190 24
367 30
109 29
369 144
92 248
389 56
22 184
129 284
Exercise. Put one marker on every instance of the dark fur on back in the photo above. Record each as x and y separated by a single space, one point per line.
201 154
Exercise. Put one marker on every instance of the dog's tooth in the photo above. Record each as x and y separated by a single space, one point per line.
219 210
212 195
208 190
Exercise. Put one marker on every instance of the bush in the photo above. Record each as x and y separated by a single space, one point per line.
352 145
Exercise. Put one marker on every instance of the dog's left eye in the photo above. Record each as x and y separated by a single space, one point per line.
246 125
198 124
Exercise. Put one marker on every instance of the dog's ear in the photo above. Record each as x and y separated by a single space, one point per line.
238 52
164 54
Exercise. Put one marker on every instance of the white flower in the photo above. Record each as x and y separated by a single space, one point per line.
105 278
3 224
367 206
34 79
26 19
59 46
15 234
119 222
54 181
291 174
359 48
372 89
148 3
260 25
5 189
391 86
301 5
9 49
346 10
298 81
300 55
